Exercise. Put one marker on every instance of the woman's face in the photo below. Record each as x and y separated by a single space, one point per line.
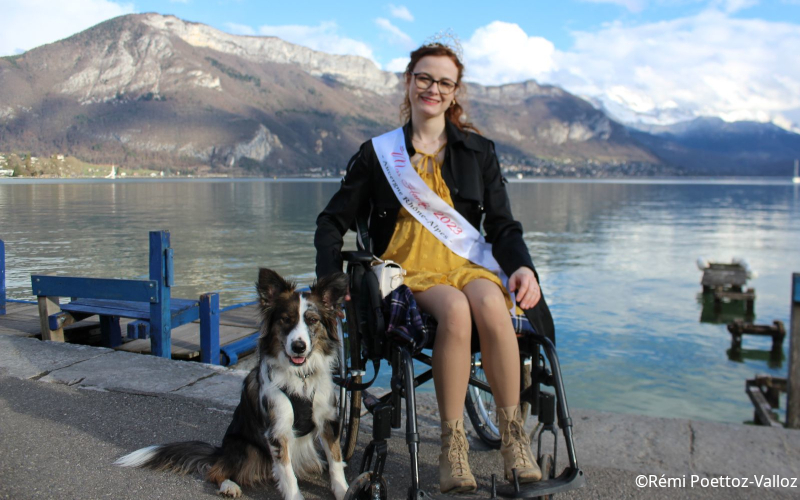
430 102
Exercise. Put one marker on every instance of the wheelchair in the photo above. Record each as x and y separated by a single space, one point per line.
365 340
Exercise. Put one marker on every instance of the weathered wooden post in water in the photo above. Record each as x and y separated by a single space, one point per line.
2 278
793 403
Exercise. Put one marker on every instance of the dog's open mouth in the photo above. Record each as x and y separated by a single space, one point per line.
297 361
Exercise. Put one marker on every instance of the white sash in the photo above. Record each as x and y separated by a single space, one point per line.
444 221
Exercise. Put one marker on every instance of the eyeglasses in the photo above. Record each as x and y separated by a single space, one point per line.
424 81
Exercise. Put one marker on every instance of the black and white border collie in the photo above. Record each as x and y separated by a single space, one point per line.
288 401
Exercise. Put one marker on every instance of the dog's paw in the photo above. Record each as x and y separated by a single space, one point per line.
229 489
339 490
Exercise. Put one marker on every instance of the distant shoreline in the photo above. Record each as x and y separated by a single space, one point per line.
754 180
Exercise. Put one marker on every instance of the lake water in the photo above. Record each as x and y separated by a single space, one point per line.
617 262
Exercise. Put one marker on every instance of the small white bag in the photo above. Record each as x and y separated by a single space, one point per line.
390 275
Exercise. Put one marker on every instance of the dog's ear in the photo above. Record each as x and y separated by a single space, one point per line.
270 284
331 289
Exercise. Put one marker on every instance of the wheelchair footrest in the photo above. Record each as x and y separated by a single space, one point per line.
569 479
381 416
547 407
370 401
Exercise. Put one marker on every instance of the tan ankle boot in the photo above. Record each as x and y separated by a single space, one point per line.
515 446
454 473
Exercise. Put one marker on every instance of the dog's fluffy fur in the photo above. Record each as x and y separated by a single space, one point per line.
297 350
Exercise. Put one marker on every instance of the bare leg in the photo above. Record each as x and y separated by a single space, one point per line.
451 350
499 348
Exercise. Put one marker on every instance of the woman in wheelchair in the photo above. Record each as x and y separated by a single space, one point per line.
460 167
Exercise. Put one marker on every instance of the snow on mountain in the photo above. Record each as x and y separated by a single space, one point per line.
642 112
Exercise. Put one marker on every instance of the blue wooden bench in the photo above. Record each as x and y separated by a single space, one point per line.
148 302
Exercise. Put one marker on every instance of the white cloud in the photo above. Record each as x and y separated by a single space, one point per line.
398 65
631 5
240 29
325 38
502 53
31 23
394 34
728 6
731 6
709 64
401 12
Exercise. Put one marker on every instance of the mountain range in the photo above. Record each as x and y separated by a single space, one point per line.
154 91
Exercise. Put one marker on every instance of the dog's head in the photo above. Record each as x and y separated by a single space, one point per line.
297 327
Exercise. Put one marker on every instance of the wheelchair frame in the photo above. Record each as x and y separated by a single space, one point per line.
366 341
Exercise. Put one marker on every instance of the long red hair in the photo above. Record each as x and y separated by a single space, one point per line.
454 113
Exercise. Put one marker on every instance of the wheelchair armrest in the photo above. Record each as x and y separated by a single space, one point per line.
358 256
541 320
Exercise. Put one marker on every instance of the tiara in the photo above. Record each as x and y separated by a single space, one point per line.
448 39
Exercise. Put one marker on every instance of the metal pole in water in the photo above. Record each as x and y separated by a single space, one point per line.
796 178
793 382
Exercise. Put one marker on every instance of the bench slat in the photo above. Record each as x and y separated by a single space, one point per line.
135 310
95 288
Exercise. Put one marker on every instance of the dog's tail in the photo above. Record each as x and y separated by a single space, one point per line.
181 457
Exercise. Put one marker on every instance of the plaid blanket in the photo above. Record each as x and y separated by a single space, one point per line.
406 323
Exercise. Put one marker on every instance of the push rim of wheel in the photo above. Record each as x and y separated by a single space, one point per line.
349 401
350 420
481 408
546 466
548 471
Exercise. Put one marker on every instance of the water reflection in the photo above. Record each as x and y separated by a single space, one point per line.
765 357
617 262
722 312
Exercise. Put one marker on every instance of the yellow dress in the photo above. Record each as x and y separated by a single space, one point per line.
427 261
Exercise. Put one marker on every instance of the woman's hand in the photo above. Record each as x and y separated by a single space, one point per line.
340 307
524 283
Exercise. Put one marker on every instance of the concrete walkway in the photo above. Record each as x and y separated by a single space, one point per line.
67 411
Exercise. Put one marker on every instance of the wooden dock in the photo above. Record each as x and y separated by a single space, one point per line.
718 276
22 320
764 392
234 325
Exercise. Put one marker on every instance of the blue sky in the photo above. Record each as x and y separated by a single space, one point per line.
360 21
646 60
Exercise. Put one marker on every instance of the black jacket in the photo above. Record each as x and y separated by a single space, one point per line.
472 174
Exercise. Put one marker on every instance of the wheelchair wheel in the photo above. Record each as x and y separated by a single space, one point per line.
548 471
349 401
362 489
481 407
546 465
